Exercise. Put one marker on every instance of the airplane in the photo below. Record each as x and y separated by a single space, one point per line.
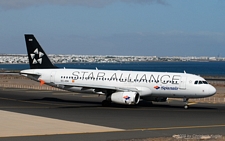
121 87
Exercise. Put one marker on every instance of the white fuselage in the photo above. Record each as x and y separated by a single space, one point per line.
147 84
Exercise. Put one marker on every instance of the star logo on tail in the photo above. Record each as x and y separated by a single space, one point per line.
36 56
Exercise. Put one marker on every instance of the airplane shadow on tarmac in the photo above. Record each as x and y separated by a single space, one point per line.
141 104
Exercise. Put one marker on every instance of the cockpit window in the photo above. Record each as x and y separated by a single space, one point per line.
200 82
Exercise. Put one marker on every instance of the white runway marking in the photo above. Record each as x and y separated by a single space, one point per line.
16 124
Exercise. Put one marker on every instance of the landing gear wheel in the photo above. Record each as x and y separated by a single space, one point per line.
186 106
106 103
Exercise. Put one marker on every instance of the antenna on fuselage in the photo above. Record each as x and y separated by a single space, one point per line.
96 68
184 71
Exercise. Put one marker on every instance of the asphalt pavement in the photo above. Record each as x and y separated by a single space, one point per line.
58 115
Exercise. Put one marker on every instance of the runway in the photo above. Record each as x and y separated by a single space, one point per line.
81 117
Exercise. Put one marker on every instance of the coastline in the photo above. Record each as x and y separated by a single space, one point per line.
205 69
119 62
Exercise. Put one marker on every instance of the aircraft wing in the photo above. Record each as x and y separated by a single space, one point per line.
99 87
141 90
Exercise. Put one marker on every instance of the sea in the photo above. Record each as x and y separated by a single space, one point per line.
199 68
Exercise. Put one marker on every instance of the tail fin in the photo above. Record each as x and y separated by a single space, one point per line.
38 59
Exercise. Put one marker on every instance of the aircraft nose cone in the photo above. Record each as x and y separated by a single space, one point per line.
211 90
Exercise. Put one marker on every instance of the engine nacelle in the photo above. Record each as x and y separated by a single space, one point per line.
128 98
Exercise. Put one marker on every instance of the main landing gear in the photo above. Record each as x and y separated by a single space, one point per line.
185 100
107 102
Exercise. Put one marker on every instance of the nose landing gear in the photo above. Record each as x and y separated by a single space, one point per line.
185 100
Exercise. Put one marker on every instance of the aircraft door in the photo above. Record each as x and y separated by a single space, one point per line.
183 82
52 77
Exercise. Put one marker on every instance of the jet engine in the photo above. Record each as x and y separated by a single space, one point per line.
128 98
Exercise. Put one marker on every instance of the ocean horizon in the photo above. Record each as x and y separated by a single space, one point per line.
199 68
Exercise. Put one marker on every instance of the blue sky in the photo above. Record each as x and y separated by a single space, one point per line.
115 27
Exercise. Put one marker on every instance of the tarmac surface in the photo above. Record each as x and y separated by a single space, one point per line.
28 114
